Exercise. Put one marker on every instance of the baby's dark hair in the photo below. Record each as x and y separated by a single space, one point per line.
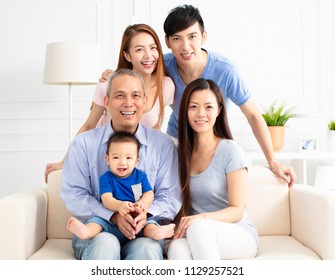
123 137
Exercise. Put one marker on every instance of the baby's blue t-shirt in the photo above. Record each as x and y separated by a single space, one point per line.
130 188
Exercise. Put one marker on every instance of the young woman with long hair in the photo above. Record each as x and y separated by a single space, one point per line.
212 223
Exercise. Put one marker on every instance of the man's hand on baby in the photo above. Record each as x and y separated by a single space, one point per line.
136 215
139 215
140 221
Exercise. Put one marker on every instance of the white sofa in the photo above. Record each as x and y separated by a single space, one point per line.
296 223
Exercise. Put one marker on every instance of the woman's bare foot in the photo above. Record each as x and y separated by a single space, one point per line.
159 232
78 228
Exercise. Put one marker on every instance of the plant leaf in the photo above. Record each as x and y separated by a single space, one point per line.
278 115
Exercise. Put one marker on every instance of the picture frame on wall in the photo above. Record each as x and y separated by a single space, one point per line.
309 144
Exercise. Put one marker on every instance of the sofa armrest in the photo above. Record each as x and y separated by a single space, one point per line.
313 218
23 224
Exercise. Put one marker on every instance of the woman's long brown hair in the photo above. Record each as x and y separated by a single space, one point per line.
186 136
160 70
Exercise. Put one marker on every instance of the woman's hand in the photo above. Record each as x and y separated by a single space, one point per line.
185 222
52 167
104 75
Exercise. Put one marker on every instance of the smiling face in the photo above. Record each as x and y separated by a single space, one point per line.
142 53
186 44
126 102
202 111
122 157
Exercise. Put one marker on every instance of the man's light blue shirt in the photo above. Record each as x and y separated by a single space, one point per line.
219 69
85 163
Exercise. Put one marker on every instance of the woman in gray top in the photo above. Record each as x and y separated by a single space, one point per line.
212 223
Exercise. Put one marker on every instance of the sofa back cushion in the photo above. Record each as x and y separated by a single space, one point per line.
268 202
58 214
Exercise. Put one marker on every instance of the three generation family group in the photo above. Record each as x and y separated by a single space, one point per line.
136 192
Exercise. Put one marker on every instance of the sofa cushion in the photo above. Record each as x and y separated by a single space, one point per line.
58 214
55 249
283 248
268 202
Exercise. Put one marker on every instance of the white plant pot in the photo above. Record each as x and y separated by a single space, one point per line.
331 141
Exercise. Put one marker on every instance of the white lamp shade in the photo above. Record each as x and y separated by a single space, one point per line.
71 63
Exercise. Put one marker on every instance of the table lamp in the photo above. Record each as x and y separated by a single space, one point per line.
71 63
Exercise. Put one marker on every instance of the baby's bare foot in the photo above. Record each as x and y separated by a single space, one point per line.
162 232
78 228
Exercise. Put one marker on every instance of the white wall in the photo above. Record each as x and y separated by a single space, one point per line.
34 116
284 49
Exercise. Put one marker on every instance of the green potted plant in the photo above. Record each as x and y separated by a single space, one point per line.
331 126
276 116
331 135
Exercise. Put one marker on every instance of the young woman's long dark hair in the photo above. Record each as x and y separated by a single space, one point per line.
186 136
130 32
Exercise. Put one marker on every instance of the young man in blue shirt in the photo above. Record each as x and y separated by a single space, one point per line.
184 35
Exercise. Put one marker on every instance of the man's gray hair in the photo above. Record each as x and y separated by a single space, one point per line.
122 72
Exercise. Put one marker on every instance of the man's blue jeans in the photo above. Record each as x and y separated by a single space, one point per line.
106 246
